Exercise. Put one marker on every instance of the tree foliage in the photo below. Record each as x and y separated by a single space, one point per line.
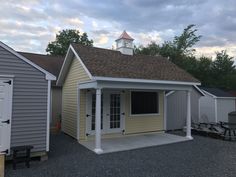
63 40
217 72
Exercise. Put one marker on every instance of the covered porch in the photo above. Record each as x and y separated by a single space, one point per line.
127 140
130 142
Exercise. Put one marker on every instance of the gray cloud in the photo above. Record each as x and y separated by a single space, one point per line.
38 20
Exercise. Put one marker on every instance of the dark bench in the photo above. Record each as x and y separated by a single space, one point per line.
228 128
21 154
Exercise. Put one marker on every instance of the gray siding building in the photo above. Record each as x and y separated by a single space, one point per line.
28 93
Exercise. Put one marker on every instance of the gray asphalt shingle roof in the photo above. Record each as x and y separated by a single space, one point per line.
112 63
217 92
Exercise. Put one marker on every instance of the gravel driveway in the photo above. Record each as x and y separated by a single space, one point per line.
203 157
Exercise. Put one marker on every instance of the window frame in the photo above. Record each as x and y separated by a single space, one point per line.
147 114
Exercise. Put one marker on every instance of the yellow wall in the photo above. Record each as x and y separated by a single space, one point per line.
147 123
2 164
75 75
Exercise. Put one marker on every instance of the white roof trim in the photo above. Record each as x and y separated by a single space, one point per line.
63 65
83 65
144 81
198 89
49 76
61 74
214 96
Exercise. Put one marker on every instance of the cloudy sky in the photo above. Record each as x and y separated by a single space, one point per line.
28 25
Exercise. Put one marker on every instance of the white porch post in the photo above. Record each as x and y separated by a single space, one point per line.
98 148
188 121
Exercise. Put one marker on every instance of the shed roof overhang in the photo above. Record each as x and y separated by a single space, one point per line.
122 83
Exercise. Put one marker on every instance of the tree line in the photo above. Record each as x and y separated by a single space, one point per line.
217 72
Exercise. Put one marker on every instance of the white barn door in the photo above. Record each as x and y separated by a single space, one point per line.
5 114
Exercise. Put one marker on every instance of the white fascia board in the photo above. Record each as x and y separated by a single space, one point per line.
49 76
209 94
199 90
88 85
65 66
144 81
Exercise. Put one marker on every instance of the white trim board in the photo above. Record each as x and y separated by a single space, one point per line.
49 76
48 115
144 81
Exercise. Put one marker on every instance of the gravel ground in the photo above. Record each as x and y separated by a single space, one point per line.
203 157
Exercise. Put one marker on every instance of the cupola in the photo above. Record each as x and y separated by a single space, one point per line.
124 44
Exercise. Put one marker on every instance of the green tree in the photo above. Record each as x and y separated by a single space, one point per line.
63 40
203 71
183 44
222 70
179 50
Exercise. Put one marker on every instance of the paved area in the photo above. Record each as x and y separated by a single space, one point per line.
134 142
201 157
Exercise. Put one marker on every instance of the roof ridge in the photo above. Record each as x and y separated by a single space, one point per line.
58 56
96 47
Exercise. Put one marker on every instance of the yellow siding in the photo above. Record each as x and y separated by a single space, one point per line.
75 75
147 123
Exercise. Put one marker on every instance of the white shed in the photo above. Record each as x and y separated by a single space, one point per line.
176 104
215 105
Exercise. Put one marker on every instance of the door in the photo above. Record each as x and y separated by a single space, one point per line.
111 112
115 114
5 114
91 113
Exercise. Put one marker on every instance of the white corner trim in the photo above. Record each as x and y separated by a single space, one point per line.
165 112
83 65
144 81
169 93
216 114
48 115
78 113
49 76
199 109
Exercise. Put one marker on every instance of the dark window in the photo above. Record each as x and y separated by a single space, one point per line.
144 103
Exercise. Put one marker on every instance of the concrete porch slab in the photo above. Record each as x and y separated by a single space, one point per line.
134 142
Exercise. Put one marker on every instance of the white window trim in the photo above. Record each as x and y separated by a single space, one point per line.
148 114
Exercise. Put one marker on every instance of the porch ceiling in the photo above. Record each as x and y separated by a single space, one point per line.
134 142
